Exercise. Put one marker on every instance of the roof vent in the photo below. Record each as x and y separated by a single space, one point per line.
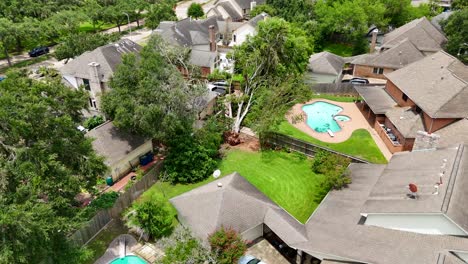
414 191
436 189
220 184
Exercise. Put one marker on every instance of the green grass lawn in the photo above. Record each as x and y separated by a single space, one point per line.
339 49
88 27
360 144
336 98
286 178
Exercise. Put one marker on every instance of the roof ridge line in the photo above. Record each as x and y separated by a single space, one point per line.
453 176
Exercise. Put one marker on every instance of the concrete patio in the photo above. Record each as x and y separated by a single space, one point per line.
264 251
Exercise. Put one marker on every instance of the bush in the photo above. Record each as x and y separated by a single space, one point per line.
93 122
334 168
154 216
182 247
210 136
227 245
105 200
217 75
195 10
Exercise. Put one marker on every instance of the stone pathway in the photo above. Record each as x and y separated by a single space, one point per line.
264 251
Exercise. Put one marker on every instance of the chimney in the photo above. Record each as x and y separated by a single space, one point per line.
94 77
253 4
374 40
211 30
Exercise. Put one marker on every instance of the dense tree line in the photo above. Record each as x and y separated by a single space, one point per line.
456 29
44 163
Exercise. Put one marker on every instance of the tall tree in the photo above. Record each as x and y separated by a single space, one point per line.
159 12
149 95
76 44
278 51
195 11
44 163
456 29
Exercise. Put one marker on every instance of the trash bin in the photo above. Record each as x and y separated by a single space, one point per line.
109 181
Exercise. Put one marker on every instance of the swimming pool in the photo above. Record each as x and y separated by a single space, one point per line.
128 260
322 116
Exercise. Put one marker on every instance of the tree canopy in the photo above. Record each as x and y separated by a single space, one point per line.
44 163
195 11
456 29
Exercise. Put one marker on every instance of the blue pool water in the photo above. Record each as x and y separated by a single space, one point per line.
128 260
322 116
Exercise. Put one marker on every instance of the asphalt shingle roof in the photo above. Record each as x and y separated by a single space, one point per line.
396 57
326 62
420 32
438 84
406 120
378 100
108 57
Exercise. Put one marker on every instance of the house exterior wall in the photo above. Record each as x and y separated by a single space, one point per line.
120 168
388 143
434 124
368 71
253 233
406 143
397 94
71 80
241 34
433 224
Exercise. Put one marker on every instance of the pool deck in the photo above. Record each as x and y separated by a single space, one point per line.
347 127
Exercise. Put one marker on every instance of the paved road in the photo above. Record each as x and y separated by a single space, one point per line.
182 7
24 56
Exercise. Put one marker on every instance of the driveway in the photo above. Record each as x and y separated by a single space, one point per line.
264 251
182 7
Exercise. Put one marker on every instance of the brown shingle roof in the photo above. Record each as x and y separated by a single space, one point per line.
407 121
421 33
378 100
326 62
112 143
437 84
396 57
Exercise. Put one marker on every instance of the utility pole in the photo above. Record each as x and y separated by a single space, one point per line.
128 19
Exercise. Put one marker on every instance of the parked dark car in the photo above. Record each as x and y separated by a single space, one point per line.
38 51
359 81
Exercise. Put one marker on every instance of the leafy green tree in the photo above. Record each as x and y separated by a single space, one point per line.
154 216
195 11
76 44
270 10
298 11
157 13
459 4
456 29
227 245
279 51
149 95
44 162
182 247
67 22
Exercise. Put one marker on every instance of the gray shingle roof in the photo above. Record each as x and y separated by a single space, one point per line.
334 231
326 62
453 134
112 143
257 19
396 57
439 18
237 204
407 121
376 98
420 31
108 56
231 11
437 84
203 58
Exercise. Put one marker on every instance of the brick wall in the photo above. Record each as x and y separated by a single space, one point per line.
397 95
368 71
434 124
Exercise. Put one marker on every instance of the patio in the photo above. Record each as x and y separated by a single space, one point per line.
357 121
264 251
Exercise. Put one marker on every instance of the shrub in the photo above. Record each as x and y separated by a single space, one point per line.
182 247
227 245
218 75
154 216
195 10
105 200
93 122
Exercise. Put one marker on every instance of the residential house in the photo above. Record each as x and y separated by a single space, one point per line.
429 95
236 10
445 4
376 219
325 67
209 39
94 69
422 34
400 47
120 149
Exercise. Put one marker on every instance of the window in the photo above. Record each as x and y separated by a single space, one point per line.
94 103
245 11
417 109
378 70
404 97
221 36
234 38
90 102
86 85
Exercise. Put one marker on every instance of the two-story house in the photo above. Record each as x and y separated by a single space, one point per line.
400 47
94 69
429 95
236 10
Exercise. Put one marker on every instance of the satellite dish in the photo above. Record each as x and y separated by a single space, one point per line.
413 188
216 174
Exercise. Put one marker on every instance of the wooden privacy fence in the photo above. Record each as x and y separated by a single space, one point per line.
309 149
334 88
104 216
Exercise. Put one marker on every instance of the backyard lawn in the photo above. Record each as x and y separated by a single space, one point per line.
339 49
360 144
286 178
88 27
